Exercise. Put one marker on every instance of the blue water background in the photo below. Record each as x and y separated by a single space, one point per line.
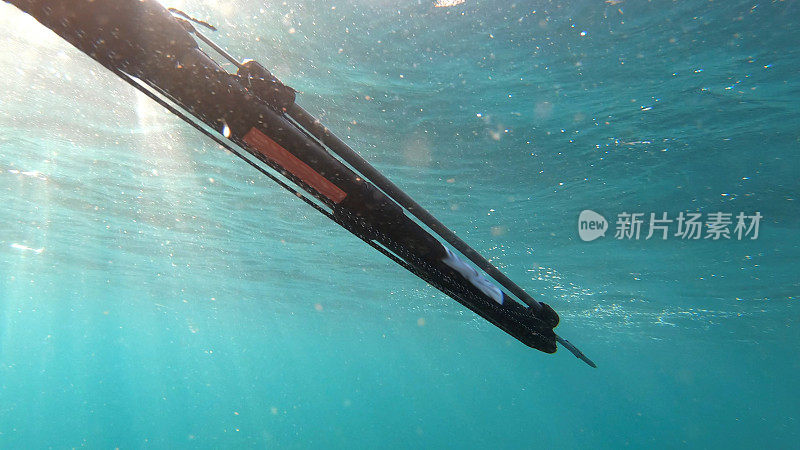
155 292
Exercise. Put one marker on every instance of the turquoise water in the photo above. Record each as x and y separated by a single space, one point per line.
157 293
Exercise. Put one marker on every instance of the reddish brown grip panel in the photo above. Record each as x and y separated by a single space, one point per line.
269 148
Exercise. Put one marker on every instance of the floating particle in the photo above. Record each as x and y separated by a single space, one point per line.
447 3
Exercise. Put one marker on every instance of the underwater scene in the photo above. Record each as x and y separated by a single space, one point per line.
633 164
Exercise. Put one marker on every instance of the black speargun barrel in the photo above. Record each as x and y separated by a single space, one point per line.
143 40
